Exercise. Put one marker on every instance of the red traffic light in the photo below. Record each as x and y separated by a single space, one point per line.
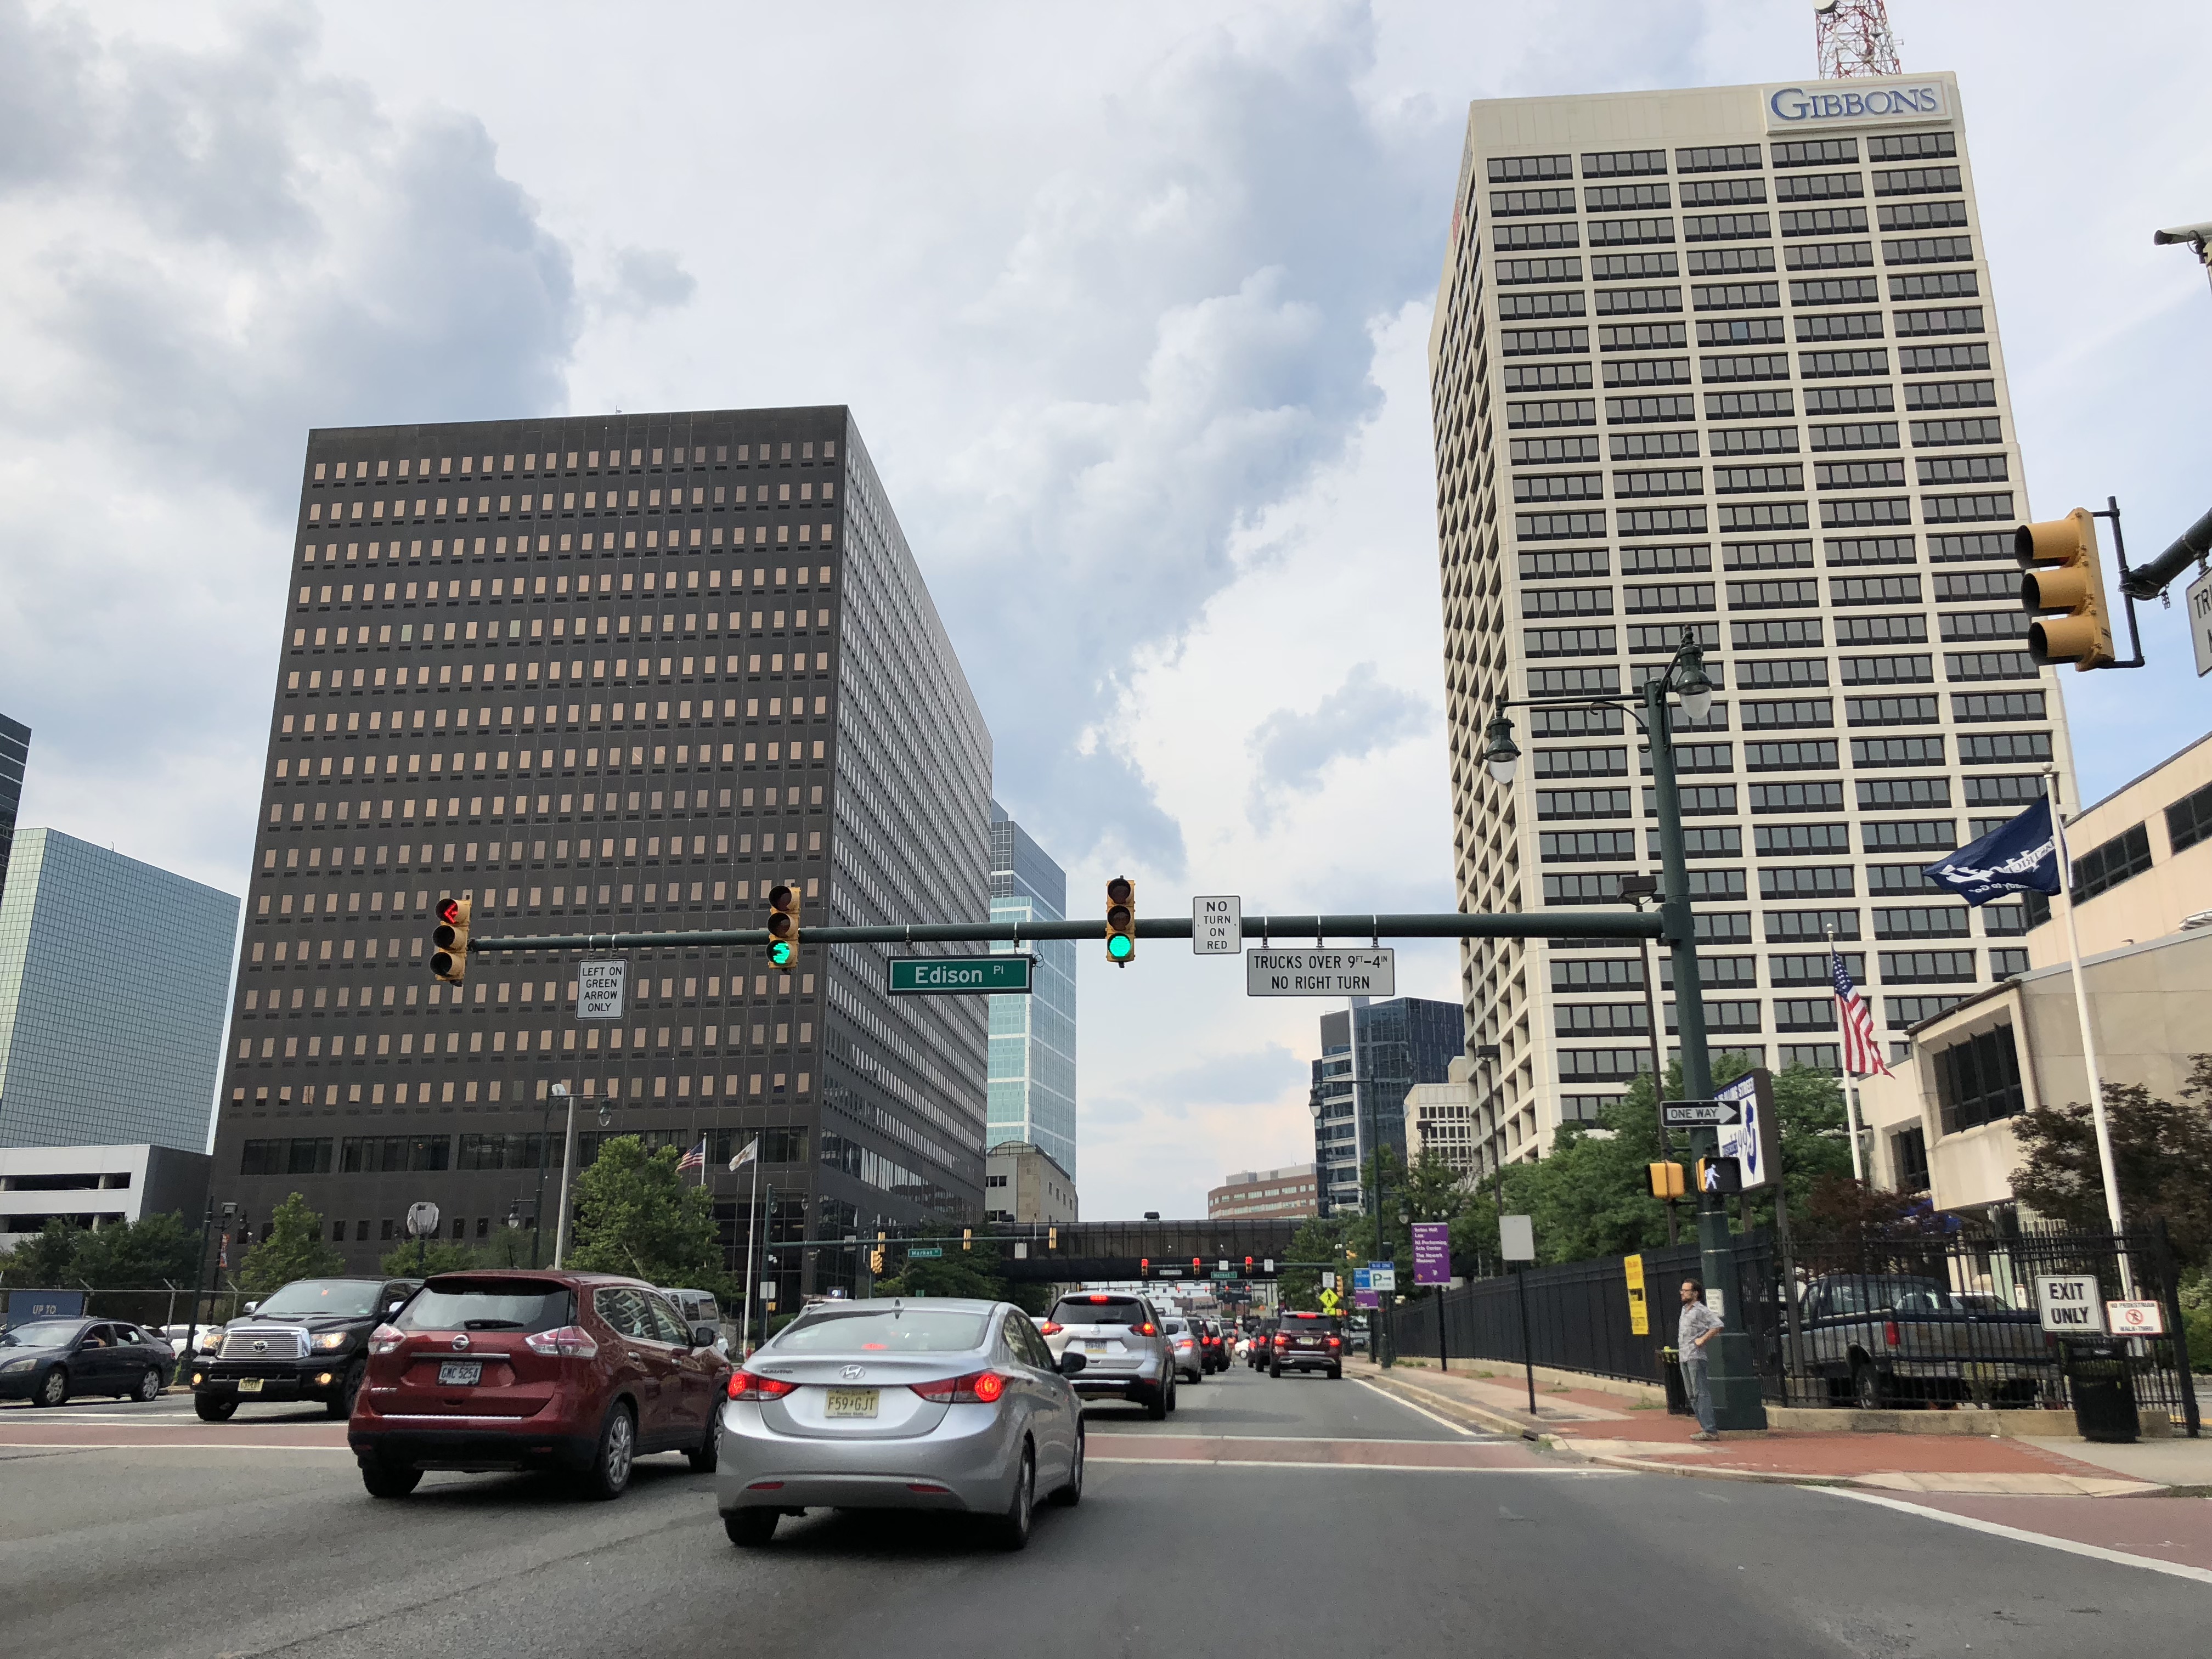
1143 1267
1247 1264
1197 1264
449 910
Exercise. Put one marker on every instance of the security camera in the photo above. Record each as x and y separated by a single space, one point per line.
2195 234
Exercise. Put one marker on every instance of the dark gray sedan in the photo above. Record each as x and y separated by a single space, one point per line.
48 1360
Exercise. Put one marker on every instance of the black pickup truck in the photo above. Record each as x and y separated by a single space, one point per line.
308 1341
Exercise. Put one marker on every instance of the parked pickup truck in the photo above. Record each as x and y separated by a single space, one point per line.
1882 1340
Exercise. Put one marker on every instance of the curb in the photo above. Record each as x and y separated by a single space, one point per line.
1643 1466
1452 1408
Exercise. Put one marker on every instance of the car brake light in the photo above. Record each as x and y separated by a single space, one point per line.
1889 1332
1051 1327
751 1385
1282 1340
1336 1342
1145 1330
567 1341
1100 1301
385 1338
977 1388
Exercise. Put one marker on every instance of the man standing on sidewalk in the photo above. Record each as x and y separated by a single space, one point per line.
1699 1326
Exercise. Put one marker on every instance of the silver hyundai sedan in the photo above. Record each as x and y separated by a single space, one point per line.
901 1404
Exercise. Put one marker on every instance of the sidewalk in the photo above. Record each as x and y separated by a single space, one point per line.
1606 1427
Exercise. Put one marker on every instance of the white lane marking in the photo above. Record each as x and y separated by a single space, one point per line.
1446 1422
1343 1468
1998 1529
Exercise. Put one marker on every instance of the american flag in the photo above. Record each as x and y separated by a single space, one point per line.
1862 1049
696 1157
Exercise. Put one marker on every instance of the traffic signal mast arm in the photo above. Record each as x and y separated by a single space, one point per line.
1512 924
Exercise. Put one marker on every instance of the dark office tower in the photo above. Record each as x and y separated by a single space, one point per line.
606 674
14 751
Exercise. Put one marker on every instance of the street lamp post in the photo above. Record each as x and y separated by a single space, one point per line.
560 1090
1636 890
1734 1377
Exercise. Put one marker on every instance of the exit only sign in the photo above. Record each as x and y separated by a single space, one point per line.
940 976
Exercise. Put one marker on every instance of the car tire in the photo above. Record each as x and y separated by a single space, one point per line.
1868 1392
1336 1373
1013 1528
216 1407
706 1456
1171 1396
385 1480
1155 1404
1274 1370
53 1388
616 1456
149 1386
349 1386
1069 1496
750 1529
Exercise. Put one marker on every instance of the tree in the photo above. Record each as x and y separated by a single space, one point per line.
2161 1158
42 1261
293 1250
155 1250
636 1214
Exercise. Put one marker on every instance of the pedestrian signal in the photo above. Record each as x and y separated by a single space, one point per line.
1666 1181
1719 1175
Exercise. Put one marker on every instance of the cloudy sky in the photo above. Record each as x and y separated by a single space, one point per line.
1130 303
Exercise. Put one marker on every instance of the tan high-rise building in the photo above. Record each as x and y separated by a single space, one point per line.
1726 360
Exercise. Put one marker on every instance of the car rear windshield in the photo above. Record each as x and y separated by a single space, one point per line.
1310 1324
1099 1310
343 1298
903 1330
523 1305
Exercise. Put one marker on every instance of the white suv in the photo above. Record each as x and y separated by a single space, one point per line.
1124 1344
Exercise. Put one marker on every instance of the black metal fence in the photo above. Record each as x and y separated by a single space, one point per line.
1935 1320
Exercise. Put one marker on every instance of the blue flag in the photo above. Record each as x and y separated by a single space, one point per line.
2022 857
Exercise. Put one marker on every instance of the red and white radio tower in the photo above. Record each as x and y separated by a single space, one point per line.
1854 38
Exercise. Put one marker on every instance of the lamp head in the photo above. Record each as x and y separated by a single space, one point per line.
1695 690
1500 753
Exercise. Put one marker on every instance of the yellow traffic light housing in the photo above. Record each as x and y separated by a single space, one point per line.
449 940
1121 920
1666 1181
783 925
875 1260
2065 573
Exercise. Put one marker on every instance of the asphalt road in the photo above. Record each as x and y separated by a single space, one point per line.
1329 1515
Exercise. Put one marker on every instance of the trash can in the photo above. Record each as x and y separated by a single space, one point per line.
2101 1381
1678 1394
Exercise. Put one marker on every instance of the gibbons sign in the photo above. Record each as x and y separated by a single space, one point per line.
1827 101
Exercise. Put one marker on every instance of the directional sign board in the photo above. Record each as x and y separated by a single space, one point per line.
942 976
2071 1304
600 989
1331 973
1754 1141
2197 602
1432 1253
1699 1113
1216 924
1381 1276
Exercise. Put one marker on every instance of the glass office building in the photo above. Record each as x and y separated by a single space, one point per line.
1371 1054
1033 1037
1726 361
113 979
14 751
607 674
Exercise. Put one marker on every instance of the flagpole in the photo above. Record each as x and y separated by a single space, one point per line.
2088 1036
1850 1085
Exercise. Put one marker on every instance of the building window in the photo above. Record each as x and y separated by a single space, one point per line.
1908 1159
1978 1081
2189 820
2105 868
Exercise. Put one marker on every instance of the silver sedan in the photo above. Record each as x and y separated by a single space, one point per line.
922 1404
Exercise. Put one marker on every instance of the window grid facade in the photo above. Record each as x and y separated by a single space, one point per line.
1772 458
1032 1089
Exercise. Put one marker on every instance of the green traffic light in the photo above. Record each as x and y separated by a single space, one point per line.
780 953
1119 946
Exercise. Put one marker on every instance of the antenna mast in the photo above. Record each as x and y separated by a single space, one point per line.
1854 38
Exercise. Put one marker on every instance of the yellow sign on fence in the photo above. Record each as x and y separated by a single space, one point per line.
1639 1314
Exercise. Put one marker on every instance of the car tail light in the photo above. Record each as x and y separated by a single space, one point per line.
1145 1330
1889 1332
751 1385
1282 1340
1336 1342
385 1338
977 1388
1051 1327
568 1342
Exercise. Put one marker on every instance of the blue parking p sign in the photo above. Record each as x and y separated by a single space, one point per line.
24 1306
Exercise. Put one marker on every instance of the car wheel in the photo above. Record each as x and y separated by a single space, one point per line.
609 1475
150 1385
1155 1404
1013 1527
216 1407
386 1480
1868 1392
342 1406
1171 1393
1274 1370
53 1388
705 1457
1072 1494
1336 1373
750 1529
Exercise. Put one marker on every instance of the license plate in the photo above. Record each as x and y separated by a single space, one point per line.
1094 1347
249 1385
851 1402
461 1373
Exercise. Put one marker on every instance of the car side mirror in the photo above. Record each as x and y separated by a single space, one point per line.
704 1336
1073 1361
395 1307
251 1306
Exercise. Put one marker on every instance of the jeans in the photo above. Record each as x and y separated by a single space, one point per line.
1701 1396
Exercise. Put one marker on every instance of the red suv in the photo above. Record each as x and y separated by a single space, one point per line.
509 1370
